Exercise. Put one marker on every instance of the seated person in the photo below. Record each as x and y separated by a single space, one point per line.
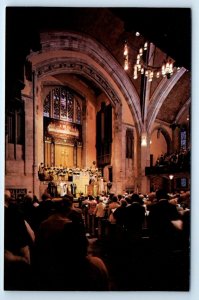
16 247
164 221
61 261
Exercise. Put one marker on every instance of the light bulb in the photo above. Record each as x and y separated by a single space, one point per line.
145 46
135 75
151 76
141 51
163 70
125 49
126 65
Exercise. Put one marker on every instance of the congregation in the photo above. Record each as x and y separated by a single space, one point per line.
103 243
179 159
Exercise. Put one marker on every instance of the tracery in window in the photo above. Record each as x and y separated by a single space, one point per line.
183 139
62 104
70 107
63 107
47 106
62 118
56 103
78 113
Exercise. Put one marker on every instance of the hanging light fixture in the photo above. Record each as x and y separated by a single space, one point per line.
126 60
141 67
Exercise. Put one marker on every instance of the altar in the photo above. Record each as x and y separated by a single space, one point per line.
62 181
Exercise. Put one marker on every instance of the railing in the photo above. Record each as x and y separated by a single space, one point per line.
163 169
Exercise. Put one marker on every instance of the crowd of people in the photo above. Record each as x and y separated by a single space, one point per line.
47 241
54 173
178 159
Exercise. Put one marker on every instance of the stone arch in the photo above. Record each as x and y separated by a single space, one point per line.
182 110
70 85
83 55
160 95
166 136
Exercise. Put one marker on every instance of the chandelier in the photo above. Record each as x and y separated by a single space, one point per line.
142 67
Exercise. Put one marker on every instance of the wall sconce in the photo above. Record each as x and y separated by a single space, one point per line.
171 176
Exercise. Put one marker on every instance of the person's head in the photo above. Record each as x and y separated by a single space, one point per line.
27 199
123 203
114 199
27 203
98 198
128 200
151 196
161 194
136 198
67 201
120 197
7 198
35 199
46 196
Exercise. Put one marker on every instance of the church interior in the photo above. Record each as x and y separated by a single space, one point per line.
97 120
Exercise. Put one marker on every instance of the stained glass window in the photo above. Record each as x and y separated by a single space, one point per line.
78 113
183 139
47 106
56 103
70 107
62 104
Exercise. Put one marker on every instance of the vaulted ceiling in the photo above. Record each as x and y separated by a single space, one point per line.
111 27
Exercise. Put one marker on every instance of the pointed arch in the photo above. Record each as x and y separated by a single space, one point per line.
166 136
83 55
160 95
182 110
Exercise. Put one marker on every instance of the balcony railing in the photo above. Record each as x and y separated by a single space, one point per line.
164 169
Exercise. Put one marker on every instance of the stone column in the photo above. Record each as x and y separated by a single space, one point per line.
118 172
84 141
36 128
143 183
31 141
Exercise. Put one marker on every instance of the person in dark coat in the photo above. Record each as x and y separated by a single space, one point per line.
44 210
16 248
164 220
61 261
135 214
